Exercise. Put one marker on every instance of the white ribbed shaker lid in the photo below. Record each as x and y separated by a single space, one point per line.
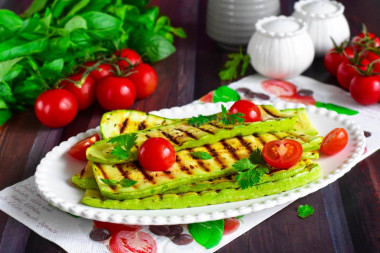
319 8
280 26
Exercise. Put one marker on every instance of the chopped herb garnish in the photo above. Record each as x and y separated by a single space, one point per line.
305 211
224 117
201 155
231 118
109 182
125 182
257 157
123 144
201 120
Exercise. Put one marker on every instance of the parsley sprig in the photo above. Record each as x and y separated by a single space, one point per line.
231 67
305 211
250 170
123 145
224 117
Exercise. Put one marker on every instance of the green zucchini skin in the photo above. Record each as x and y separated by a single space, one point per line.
193 199
183 136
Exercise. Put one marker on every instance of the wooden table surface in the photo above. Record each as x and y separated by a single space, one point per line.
347 212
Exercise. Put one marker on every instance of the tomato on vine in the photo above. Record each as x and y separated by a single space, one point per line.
84 91
132 58
102 70
145 79
365 89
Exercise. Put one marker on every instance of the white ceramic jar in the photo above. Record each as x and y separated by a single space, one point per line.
280 48
325 20
232 22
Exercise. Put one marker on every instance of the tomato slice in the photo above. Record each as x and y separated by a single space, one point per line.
114 228
307 100
78 151
334 141
249 109
279 88
282 154
132 242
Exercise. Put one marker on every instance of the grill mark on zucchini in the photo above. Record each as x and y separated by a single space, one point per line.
216 156
121 171
299 136
144 173
259 138
168 173
205 130
230 150
142 125
187 133
104 174
269 112
182 167
82 173
170 137
214 125
245 144
123 125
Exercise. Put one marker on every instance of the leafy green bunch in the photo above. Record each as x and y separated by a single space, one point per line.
47 42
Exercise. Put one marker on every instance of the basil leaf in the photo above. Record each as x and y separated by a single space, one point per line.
59 6
76 22
10 20
17 47
109 182
52 69
36 6
32 29
96 5
102 26
225 94
141 4
153 46
76 8
13 73
5 114
125 182
5 33
58 48
5 92
208 234
201 155
6 66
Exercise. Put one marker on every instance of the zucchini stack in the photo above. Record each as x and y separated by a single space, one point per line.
192 182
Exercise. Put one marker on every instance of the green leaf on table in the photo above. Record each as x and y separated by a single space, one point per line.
110 182
201 155
10 20
305 211
6 66
153 46
17 47
225 94
126 182
76 22
208 234
102 26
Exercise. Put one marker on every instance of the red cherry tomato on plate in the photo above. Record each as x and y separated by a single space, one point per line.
56 108
145 79
85 95
78 150
282 154
113 92
114 228
156 154
249 109
132 242
230 225
334 141
279 87
101 71
365 89
132 56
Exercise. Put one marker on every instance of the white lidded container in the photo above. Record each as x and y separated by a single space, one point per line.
232 22
280 48
325 20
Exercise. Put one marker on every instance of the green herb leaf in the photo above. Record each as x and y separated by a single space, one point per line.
76 22
249 174
208 234
123 144
201 120
201 155
10 20
125 182
109 182
6 66
225 94
16 47
231 67
101 26
232 119
305 211
256 157
36 6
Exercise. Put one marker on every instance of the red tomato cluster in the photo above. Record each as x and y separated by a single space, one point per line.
115 85
356 66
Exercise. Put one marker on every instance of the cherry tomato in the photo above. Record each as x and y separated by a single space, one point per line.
365 89
250 110
101 71
307 100
282 154
332 60
132 56
230 225
349 53
279 87
132 242
334 141
78 150
346 72
373 56
56 108
156 154
145 79
367 38
85 95
114 93
114 228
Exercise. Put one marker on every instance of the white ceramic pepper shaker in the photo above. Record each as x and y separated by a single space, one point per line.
280 48
325 20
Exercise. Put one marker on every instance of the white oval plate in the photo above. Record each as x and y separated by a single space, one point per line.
53 174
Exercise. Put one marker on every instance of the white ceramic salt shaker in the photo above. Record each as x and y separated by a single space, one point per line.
325 20
280 48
